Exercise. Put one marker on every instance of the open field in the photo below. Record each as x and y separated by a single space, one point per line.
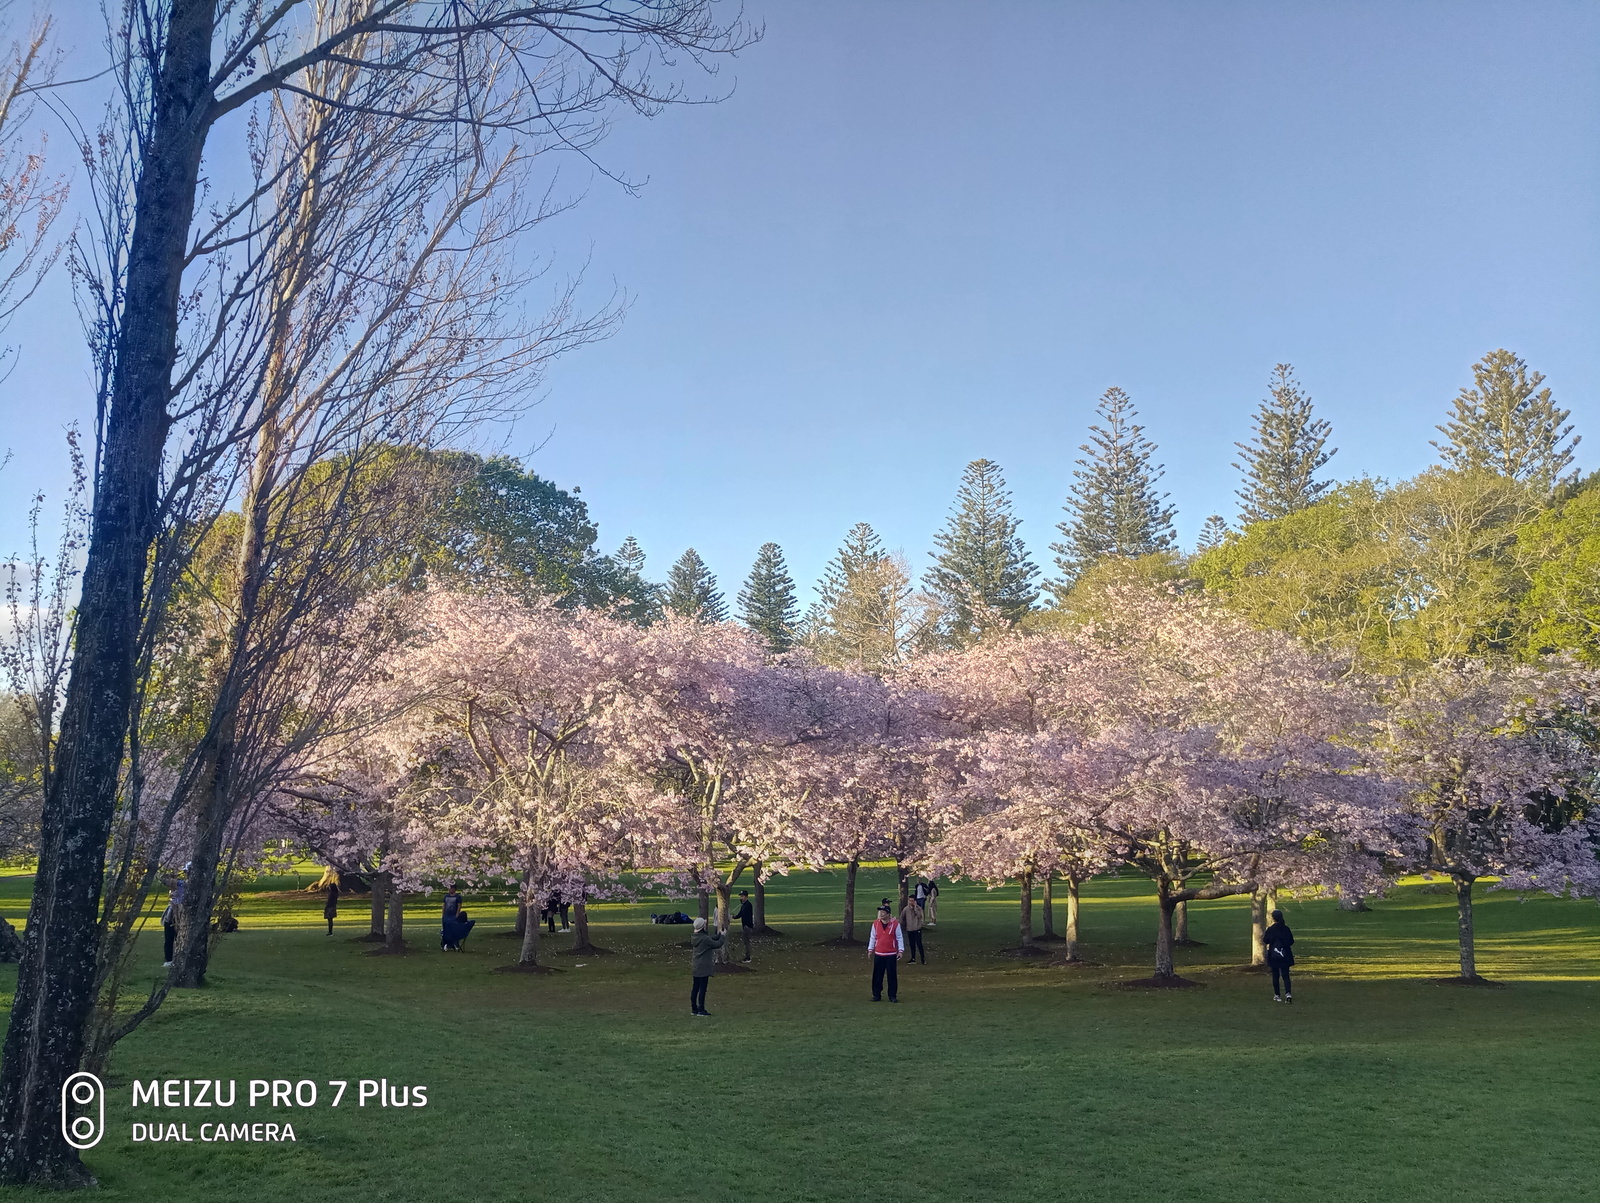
994 1079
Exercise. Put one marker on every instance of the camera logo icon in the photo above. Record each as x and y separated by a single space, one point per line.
83 1110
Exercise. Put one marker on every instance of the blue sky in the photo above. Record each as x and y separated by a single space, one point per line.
917 234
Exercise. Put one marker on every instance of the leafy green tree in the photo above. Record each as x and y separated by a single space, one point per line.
767 602
1562 548
1281 460
1508 425
863 617
1114 509
632 598
982 576
692 591
1400 577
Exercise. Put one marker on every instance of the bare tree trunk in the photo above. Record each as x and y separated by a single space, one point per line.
10 944
1180 924
903 878
1258 926
1048 908
724 890
55 990
1072 918
1469 957
1164 965
759 907
394 931
705 905
850 900
380 894
580 926
530 933
1026 923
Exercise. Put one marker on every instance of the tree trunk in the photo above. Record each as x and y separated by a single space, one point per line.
1180 924
521 926
55 987
10 944
1164 966
380 895
903 878
1258 927
580 926
394 931
850 900
1047 908
1026 924
724 890
759 906
1469 956
1072 918
705 905
530 933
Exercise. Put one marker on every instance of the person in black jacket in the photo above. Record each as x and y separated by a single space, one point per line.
1280 956
330 908
747 922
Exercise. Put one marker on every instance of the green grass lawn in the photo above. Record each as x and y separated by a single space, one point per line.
993 1078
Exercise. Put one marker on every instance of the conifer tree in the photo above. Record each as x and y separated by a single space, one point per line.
1114 509
982 575
1285 451
1212 534
767 603
634 599
1508 425
862 618
692 590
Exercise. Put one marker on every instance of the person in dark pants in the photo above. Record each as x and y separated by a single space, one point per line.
551 907
1280 956
911 920
452 906
565 907
705 944
886 941
330 908
747 921
169 921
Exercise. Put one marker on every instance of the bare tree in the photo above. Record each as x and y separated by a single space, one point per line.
185 67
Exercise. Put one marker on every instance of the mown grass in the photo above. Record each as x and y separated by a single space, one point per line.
993 1079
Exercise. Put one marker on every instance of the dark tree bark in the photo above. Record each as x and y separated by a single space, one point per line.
1258 927
1026 919
1180 923
1166 905
850 900
580 927
1047 909
1469 953
1072 918
394 931
55 984
380 898
904 879
530 934
759 905
10 944
705 905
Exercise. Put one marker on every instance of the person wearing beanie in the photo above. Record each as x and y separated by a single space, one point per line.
705 944
886 942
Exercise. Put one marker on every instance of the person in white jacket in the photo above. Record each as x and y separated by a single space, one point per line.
886 943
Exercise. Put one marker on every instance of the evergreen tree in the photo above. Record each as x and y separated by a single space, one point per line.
1281 460
1114 509
633 598
982 575
766 603
1508 425
692 590
1213 534
862 617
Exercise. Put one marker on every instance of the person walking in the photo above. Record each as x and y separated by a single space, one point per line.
930 908
747 921
886 942
705 944
1280 956
911 919
447 922
330 908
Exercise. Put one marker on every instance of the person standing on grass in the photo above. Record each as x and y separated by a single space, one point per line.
447 925
886 942
911 920
931 906
1280 956
747 921
330 908
705 944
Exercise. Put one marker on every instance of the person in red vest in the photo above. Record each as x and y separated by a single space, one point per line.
886 942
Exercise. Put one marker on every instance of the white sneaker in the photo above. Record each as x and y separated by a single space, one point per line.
1275 998
166 964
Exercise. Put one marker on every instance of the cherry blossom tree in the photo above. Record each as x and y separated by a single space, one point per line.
1498 762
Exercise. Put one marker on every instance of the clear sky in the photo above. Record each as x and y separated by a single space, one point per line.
915 234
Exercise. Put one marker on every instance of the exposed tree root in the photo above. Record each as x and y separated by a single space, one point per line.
521 967
1159 982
